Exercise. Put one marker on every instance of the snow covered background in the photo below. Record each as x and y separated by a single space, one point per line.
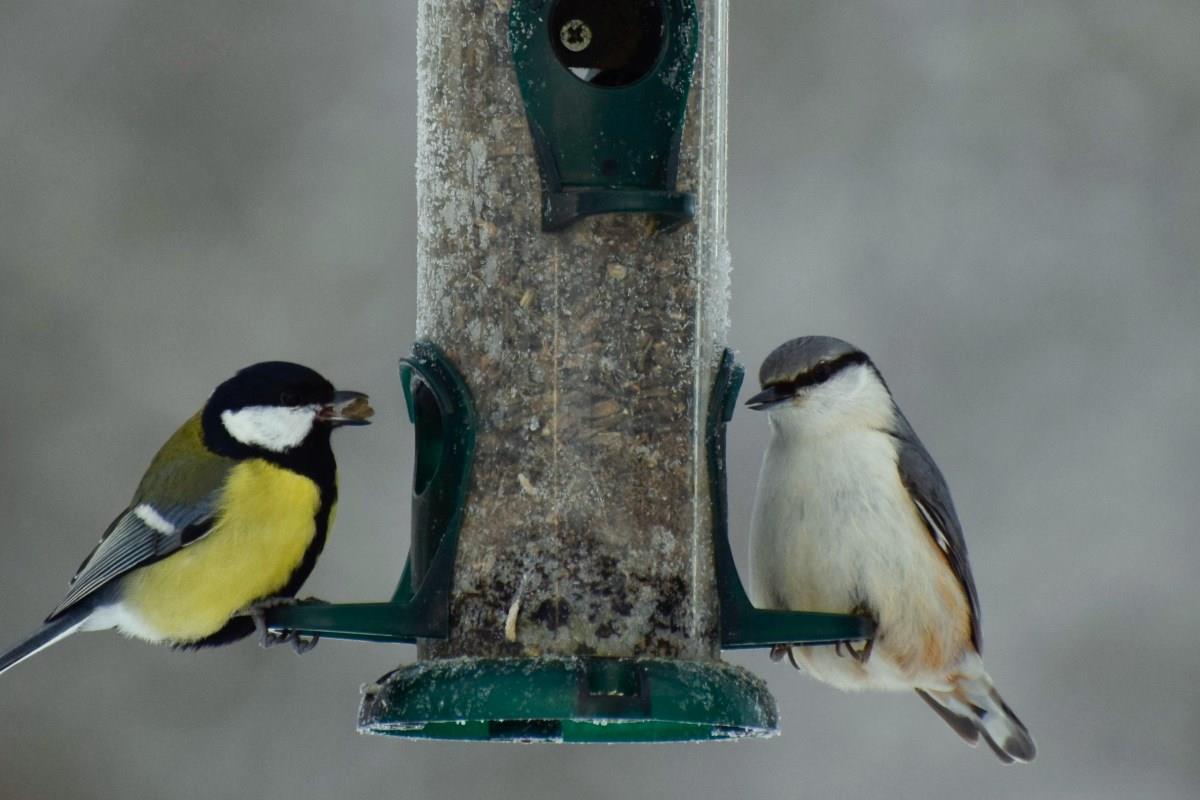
1000 202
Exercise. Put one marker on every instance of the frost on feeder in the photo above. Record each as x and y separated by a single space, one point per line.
570 577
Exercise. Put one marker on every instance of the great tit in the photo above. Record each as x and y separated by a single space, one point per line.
228 519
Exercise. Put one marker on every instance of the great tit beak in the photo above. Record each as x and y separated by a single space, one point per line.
771 396
347 408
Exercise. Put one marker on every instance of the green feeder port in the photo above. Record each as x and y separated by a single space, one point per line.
439 406
605 87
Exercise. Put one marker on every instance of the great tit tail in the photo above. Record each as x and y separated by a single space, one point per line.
58 628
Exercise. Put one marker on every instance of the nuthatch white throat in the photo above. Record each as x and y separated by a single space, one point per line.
853 516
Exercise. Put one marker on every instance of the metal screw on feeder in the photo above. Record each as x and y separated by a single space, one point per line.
570 577
576 35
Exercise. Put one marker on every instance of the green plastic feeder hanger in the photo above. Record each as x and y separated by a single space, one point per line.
584 699
605 87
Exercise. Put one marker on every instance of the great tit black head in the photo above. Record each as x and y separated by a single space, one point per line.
275 406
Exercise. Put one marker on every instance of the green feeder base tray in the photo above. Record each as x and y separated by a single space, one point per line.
569 700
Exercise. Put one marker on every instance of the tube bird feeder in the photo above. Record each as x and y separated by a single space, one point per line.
570 577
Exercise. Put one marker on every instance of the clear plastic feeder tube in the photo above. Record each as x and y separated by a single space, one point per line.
589 353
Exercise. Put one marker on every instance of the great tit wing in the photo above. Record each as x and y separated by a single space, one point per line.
141 535
173 507
931 496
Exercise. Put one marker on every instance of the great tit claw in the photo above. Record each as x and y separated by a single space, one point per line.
268 638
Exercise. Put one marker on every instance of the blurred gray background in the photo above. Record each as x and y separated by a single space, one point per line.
999 201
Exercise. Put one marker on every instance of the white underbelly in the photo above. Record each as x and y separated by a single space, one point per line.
835 531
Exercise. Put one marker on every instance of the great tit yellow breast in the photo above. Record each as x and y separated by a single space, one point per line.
266 521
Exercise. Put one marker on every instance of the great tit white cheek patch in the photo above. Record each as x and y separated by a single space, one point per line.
273 428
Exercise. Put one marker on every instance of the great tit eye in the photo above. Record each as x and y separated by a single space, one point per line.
289 399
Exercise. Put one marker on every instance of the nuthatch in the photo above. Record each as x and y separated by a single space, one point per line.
853 516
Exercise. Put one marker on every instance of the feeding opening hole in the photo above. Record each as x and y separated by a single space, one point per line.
429 433
612 43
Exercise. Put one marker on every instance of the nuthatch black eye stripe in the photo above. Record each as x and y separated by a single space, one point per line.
820 373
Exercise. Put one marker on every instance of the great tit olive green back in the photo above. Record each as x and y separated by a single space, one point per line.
230 517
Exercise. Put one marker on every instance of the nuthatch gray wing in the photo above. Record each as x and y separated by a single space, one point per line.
853 516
